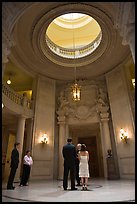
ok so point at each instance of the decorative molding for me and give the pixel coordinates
(95, 103)
(10, 13)
(125, 20)
(38, 36)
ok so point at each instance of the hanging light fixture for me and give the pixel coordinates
(76, 89)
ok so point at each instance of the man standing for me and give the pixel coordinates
(13, 165)
(69, 154)
(77, 165)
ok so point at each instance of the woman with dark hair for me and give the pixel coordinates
(83, 166)
(27, 163)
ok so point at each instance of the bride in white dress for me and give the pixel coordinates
(83, 166)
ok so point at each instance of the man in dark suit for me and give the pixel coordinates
(69, 154)
(13, 165)
(78, 148)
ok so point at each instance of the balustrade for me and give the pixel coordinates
(15, 97)
(78, 52)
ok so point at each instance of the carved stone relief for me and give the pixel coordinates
(94, 102)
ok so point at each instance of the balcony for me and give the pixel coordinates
(15, 102)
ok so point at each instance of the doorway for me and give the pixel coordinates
(10, 147)
(91, 146)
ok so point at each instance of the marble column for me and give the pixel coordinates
(20, 139)
(106, 142)
(29, 129)
(125, 22)
(62, 141)
(132, 42)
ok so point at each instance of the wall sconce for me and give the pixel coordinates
(123, 135)
(133, 82)
(44, 139)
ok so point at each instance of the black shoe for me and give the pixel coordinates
(11, 188)
(73, 189)
(65, 189)
(78, 184)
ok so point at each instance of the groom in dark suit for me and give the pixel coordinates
(13, 165)
(69, 154)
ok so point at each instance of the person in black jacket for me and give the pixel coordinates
(78, 148)
(69, 154)
(13, 165)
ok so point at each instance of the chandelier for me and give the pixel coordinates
(76, 89)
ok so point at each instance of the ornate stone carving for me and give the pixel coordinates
(102, 106)
(80, 112)
(125, 20)
(63, 105)
(10, 12)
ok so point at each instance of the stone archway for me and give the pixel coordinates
(93, 108)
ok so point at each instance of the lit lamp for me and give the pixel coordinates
(9, 79)
(2, 105)
(76, 92)
(133, 82)
(44, 139)
(76, 89)
(123, 135)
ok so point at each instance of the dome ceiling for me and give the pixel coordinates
(32, 53)
(70, 36)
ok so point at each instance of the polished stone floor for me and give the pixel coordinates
(99, 190)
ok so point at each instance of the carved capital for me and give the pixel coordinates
(61, 119)
(104, 117)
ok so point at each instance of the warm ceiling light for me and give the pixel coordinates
(9, 81)
(76, 89)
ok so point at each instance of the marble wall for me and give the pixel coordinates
(122, 117)
(44, 122)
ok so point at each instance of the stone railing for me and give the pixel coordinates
(77, 52)
(15, 97)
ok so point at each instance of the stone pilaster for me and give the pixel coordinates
(29, 129)
(105, 136)
(125, 23)
(20, 138)
(62, 141)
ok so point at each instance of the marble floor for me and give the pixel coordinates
(99, 190)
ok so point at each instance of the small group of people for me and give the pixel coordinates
(75, 162)
(27, 163)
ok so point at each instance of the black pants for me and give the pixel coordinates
(77, 172)
(11, 177)
(69, 168)
(25, 174)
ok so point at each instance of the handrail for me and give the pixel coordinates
(78, 52)
(15, 97)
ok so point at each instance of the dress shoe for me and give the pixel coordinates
(65, 189)
(73, 189)
(11, 188)
(78, 184)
